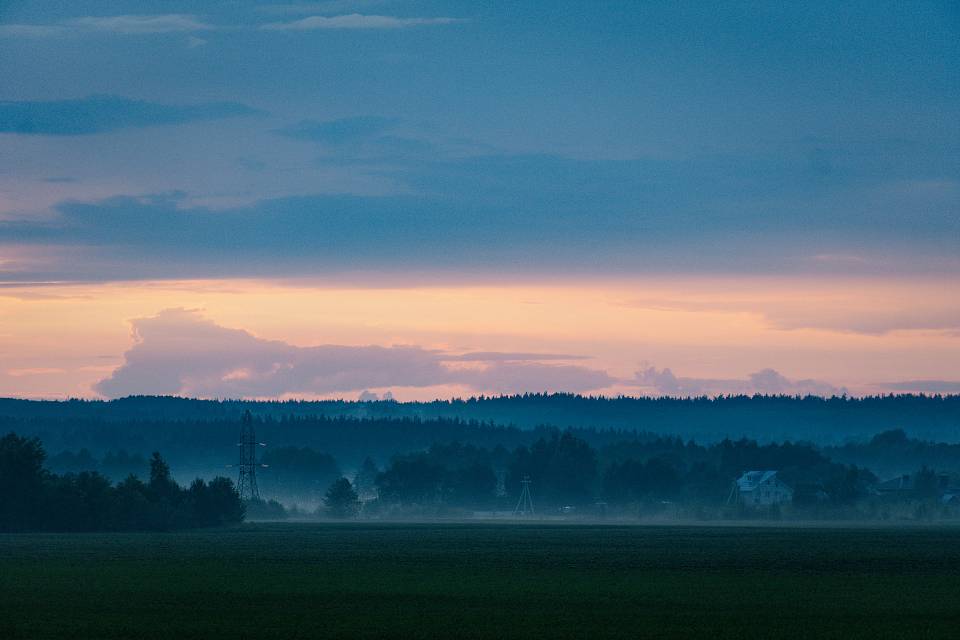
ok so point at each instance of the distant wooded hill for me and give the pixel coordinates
(766, 418)
(311, 443)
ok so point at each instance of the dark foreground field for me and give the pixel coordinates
(286, 581)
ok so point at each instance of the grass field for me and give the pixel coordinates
(493, 581)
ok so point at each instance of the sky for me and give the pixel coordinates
(438, 198)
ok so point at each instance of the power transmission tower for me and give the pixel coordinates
(525, 504)
(247, 483)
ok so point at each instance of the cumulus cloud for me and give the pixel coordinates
(100, 113)
(355, 21)
(369, 396)
(765, 381)
(179, 351)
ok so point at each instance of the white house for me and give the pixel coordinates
(760, 489)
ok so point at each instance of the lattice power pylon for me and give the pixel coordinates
(247, 483)
(525, 504)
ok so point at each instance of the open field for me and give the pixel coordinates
(483, 580)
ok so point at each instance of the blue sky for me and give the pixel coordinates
(581, 137)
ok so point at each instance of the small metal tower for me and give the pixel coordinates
(525, 504)
(247, 483)
(501, 490)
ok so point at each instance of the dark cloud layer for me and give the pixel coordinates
(522, 212)
(180, 352)
(343, 130)
(97, 114)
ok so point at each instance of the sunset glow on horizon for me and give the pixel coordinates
(859, 336)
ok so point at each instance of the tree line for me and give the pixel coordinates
(34, 499)
(628, 473)
(628, 477)
(565, 470)
(826, 421)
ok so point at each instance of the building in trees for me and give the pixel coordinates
(760, 489)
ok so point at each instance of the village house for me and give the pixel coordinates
(760, 489)
(906, 486)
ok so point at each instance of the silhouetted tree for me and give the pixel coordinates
(563, 468)
(471, 486)
(365, 479)
(265, 510)
(33, 499)
(341, 500)
(411, 480)
(635, 481)
(21, 483)
(926, 484)
(846, 485)
(132, 509)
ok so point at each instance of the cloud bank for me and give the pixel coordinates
(498, 212)
(355, 21)
(922, 386)
(132, 24)
(815, 310)
(765, 381)
(98, 114)
(179, 351)
(116, 24)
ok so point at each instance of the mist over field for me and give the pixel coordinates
(585, 457)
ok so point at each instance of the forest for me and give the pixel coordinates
(638, 477)
(92, 465)
(827, 421)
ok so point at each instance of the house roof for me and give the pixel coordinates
(900, 483)
(752, 479)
